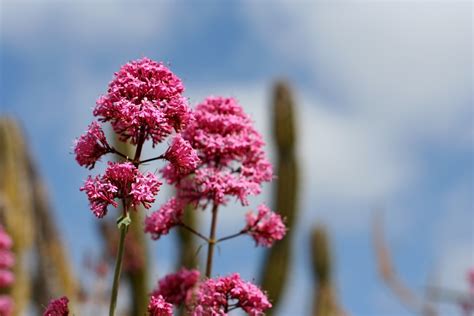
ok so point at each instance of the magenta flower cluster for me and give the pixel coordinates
(266, 227)
(120, 181)
(7, 260)
(214, 155)
(144, 101)
(232, 160)
(222, 295)
(57, 307)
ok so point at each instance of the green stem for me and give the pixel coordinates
(123, 223)
(211, 241)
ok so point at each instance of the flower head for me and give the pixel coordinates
(6, 278)
(266, 227)
(175, 287)
(144, 101)
(7, 259)
(5, 239)
(121, 180)
(159, 307)
(232, 160)
(214, 297)
(182, 156)
(161, 221)
(6, 305)
(91, 146)
(57, 307)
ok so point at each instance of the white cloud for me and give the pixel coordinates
(406, 66)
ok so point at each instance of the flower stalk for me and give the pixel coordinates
(211, 241)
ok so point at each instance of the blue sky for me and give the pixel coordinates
(384, 93)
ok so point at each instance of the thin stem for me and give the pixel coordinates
(115, 151)
(195, 232)
(152, 159)
(211, 241)
(118, 269)
(123, 223)
(242, 232)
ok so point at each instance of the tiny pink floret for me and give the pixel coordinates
(159, 307)
(266, 227)
(57, 307)
(161, 221)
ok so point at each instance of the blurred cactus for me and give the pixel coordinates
(17, 206)
(277, 261)
(27, 216)
(325, 301)
(187, 244)
(54, 275)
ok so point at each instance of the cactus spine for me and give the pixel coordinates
(277, 262)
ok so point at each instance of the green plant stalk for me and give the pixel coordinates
(187, 242)
(123, 224)
(212, 241)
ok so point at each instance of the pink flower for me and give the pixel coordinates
(5, 239)
(159, 307)
(266, 227)
(232, 160)
(6, 305)
(144, 101)
(91, 146)
(57, 307)
(6, 278)
(121, 180)
(217, 296)
(182, 156)
(175, 287)
(160, 222)
(7, 259)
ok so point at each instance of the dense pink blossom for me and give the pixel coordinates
(175, 288)
(57, 307)
(217, 296)
(6, 278)
(232, 160)
(266, 227)
(7, 259)
(182, 156)
(121, 180)
(159, 307)
(6, 305)
(161, 221)
(5, 239)
(91, 146)
(144, 101)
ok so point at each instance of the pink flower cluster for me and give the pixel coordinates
(7, 260)
(121, 180)
(57, 307)
(266, 227)
(161, 221)
(232, 160)
(182, 156)
(176, 288)
(159, 307)
(144, 101)
(221, 295)
(91, 146)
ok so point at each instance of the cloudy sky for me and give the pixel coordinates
(384, 94)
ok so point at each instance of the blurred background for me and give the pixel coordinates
(382, 101)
